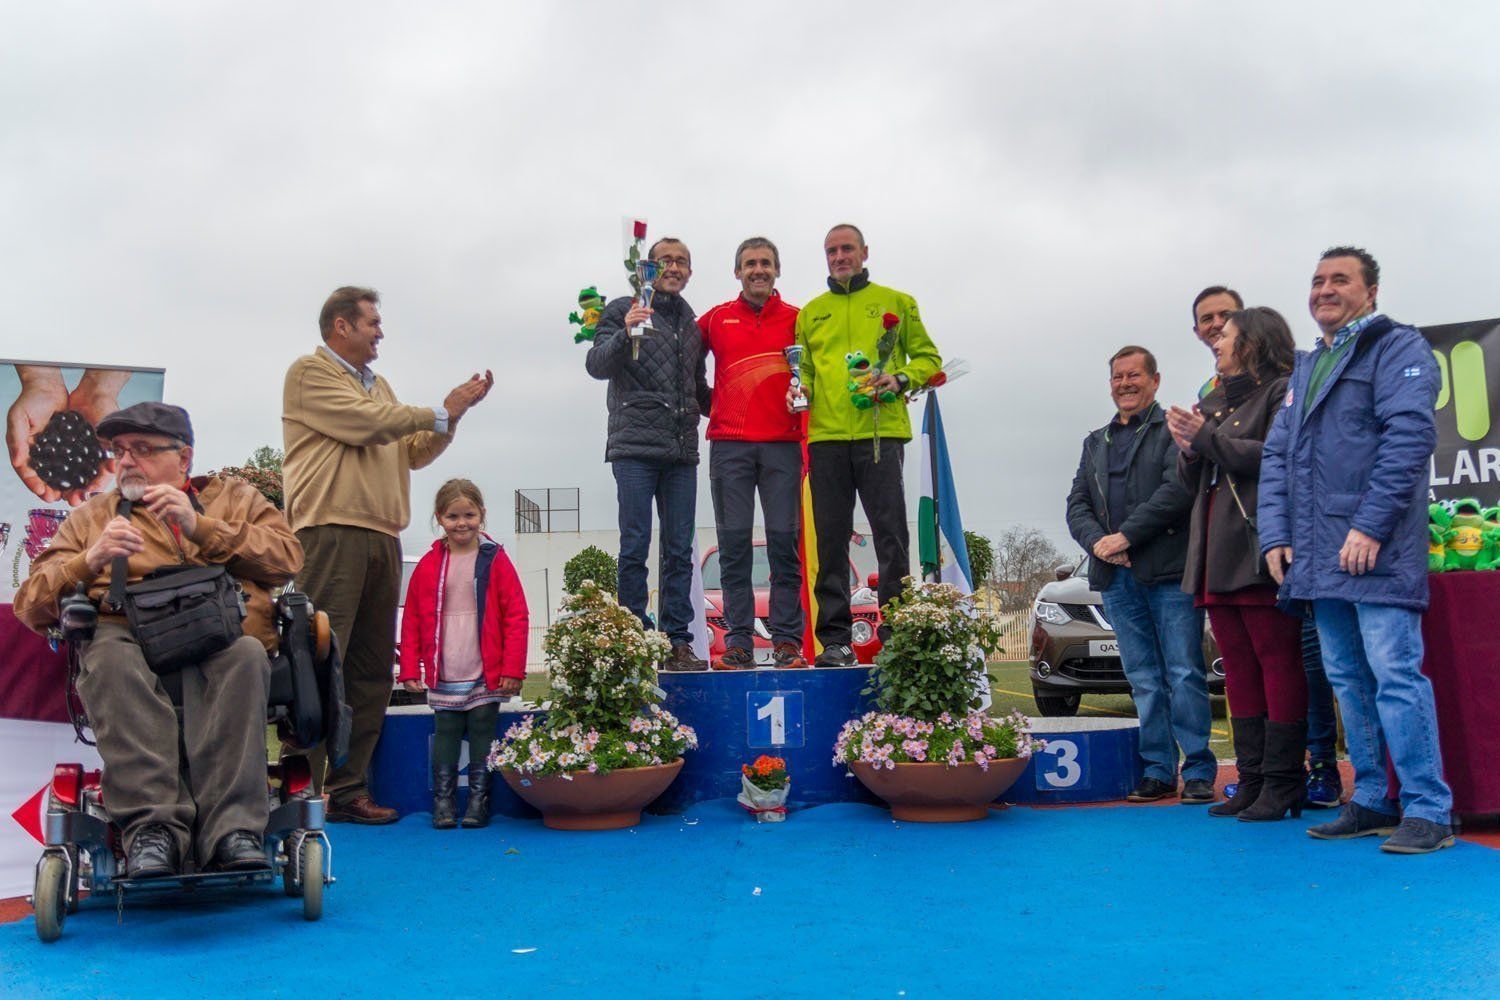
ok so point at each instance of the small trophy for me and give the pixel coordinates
(794, 362)
(646, 272)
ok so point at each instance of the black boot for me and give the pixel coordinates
(478, 813)
(444, 788)
(1284, 779)
(1249, 748)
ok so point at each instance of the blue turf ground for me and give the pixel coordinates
(1045, 903)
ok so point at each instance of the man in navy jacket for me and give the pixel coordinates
(1343, 513)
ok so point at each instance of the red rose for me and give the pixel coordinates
(889, 320)
(937, 380)
(640, 229)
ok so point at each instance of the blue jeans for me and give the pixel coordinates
(1161, 649)
(1373, 655)
(1322, 726)
(674, 488)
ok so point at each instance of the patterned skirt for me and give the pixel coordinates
(461, 696)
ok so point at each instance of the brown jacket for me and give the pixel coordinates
(1227, 449)
(349, 453)
(238, 528)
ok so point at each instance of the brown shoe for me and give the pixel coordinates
(735, 658)
(361, 809)
(788, 656)
(682, 659)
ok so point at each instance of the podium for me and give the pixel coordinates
(741, 714)
(1086, 760)
(793, 714)
(400, 773)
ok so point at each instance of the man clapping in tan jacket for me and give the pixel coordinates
(350, 449)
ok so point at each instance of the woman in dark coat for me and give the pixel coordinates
(1221, 442)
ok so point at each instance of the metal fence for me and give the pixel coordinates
(546, 510)
(535, 661)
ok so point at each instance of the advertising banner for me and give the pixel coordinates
(53, 464)
(53, 461)
(1466, 462)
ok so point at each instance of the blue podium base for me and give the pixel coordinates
(792, 714)
(401, 768)
(741, 714)
(1086, 760)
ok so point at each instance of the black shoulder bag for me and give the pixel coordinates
(180, 615)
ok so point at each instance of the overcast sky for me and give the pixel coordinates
(182, 184)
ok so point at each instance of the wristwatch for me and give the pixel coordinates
(902, 382)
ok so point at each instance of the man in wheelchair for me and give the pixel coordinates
(205, 787)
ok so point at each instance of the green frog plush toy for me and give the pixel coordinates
(1463, 540)
(860, 370)
(1435, 550)
(1489, 554)
(592, 304)
(861, 374)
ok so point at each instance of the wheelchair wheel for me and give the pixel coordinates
(322, 635)
(50, 897)
(312, 878)
(288, 882)
(72, 890)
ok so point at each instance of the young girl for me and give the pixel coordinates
(464, 635)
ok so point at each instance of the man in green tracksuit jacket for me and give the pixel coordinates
(844, 440)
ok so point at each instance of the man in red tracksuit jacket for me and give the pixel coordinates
(754, 443)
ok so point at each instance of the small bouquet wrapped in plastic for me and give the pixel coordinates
(763, 788)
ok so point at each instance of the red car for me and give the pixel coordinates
(864, 607)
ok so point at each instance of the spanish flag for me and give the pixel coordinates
(809, 543)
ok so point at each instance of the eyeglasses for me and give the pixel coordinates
(140, 451)
(673, 261)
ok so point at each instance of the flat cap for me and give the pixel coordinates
(148, 418)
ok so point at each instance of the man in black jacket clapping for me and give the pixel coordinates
(1129, 511)
(655, 401)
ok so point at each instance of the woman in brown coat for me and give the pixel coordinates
(1221, 441)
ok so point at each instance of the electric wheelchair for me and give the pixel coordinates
(84, 849)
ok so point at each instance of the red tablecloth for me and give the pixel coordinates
(1461, 632)
(33, 679)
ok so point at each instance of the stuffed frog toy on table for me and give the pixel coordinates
(1489, 553)
(1463, 539)
(1435, 550)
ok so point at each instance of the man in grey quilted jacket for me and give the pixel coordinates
(655, 401)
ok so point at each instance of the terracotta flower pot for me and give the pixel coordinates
(937, 793)
(610, 801)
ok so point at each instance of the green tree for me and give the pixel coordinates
(263, 471)
(981, 556)
(593, 563)
(266, 458)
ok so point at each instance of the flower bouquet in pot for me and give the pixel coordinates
(929, 751)
(763, 788)
(607, 749)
